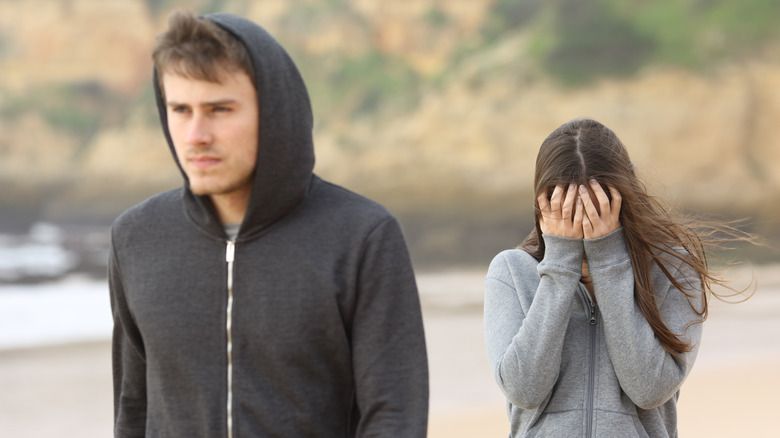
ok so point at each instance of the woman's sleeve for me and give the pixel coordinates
(527, 310)
(647, 373)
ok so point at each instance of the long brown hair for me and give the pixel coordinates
(585, 149)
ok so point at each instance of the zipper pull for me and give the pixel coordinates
(593, 315)
(230, 252)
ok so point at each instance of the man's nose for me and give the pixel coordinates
(199, 131)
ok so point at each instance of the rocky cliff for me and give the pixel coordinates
(79, 135)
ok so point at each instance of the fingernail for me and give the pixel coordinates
(593, 181)
(583, 190)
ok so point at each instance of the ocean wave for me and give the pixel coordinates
(74, 309)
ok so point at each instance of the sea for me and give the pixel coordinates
(54, 290)
(53, 287)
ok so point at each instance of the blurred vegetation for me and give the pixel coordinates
(572, 41)
(159, 7)
(77, 109)
(509, 15)
(436, 17)
(578, 42)
(590, 40)
(378, 75)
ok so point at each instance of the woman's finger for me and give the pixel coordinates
(555, 201)
(587, 226)
(617, 202)
(590, 208)
(543, 202)
(579, 213)
(567, 209)
(544, 211)
(601, 196)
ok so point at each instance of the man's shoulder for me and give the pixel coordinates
(340, 200)
(159, 207)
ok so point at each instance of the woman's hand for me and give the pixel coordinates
(562, 214)
(598, 222)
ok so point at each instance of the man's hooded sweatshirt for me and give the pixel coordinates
(309, 325)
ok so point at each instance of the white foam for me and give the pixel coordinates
(38, 254)
(75, 309)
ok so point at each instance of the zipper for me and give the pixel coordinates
(592, 371)
(230, 255)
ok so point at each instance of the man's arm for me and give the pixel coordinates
(388, 341)
(128, 359)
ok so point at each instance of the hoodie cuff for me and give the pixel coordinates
(563, 252)
(607, 250)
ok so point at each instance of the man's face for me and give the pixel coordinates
(215, 129)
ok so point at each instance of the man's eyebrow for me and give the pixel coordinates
(226, 101)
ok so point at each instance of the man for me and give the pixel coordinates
(257, 300)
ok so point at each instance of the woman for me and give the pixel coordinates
(593, 324)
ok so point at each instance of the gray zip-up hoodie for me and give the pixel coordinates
(309, 325)
(570, 367)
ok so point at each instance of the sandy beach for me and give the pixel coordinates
(65, 391)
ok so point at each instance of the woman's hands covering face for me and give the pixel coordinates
(561, 215)
(576, 213)
(597, 222)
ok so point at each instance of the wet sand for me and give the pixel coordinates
(65, 391)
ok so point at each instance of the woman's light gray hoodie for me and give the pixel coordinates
(571, 367)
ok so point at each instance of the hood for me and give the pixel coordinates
(285, 152)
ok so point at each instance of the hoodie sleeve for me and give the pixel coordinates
(128, 360)
(388, 342)
(527, 311)
(648, 374)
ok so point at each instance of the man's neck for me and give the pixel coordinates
(230, 208)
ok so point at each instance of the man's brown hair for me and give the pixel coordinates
(195, 47)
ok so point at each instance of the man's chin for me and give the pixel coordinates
(210, 190)
(216, 188)
(200, 190)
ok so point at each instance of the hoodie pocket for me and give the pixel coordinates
(617, 425)
(564, 424)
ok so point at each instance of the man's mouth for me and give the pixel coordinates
(203, 161)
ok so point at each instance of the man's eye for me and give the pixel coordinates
(179, 109)
(221, 109)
